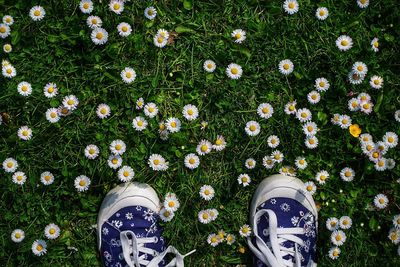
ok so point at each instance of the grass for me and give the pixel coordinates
(58, 49)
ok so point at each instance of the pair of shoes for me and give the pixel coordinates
(283, 215)
(128, 230)
(284, 220)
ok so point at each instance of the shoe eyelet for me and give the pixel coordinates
(155, 239)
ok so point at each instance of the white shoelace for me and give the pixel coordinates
(132, 245)
(273, 252)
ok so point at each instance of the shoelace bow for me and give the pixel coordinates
(132, 245)
(272, 254)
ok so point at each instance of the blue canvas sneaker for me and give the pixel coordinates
(284, 221)
(128, 231)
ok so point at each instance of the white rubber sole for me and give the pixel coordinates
(125, 195)
(279, 185)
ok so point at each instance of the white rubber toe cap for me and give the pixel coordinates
(125, 195)
(279, 185)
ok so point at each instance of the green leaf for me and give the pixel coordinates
(183, 29)
(188, 4)
(373, 223)
(15, 37)
(378, 103)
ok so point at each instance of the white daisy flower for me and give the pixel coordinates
(347, 174)
(39, 247)
(345, 222)
(344, 43)
(390, 164)
(244, 179)
(86, 6)
(391, 139)
(37, 13)
(366, 107)
(114, 161)
(17, 235)
(334, 253)
(163, 33)
(332, 224)
(353, 104)
(362, 3)
(230, 239)
(219, 144)
(265, 110)
(310, 187)
(64, 111)
(322, 84)
(160, 41)
(311, 142)
(213, 240)
(310, 128)
(344, 121)
(250, 163)
(207, 192)
(277, 156)
(396, 221)
(173, 125)
(139, 123)
(158, 163)
(118, 147)
(52, 231)
(52, 115)
(301, 163)
(245, 230)
(190, 112)
(376, 82)
(116, 6)
(82, 183)
(10, 165)
(171, 202)
(382, 146)
(381, 165)
(124, 29)
(381, 201)
(70, 102)
(321, 177)
(268, 162)
(8, 20)
(360, 68)
(394, 236)
(165, 215)
(397, 115)
(313, 97)
(94, 22)
(50, 90)
(25, 133)
(303, 115)
(252, 128)
(273, 141)
(322, 13)
(125, 174)
(128, 75)
(99, 36)
(139, 103)
(338, 237)
(5, 30)
(234, 71)
(204, 147)
(286, 66)
(150, 110)
(365, 137)
(192, 161)
(150, 12)
(291, 6)
(355, 78)
(19, 178)
(239, 35)
(24, 88)
(7, 48)
(103, 111)
(209, 65)
(375, 44)
(213, 214)
(287, 170)
(204, 216)
(8, 71)
(290, 108)
(92, 151)
(47, 178)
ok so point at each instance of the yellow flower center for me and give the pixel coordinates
(277, 156)
(36, 13)
(381, 201)
(114, 161)
(347, 174)
(335, 253)
(25, 133)
(129, 75)
(321, 13)
(94, 21)
(126, 173)
(19, 177)
(53, 115)
(124, 28)
(273, 141)
(86, 5)
(323, 177)
(17, 235)
(238, 35)
(10, 164)
(140, 123)
(344, 42)
(99, 35)
(91, 151)
(322, 84)
(311, 141)
(286, 66)
(151, 109)
(381, 163)
(190, 112)
(206, 192)
(244, 179)
(118, 147)
(218, 142)
(354, 104)
(250, 163)
(156, 161)
(173, 124)
(7, 47)
(338, 237)
(9, 71)
(369, 147)
(310, 128)
(291, 5)
(204, 216)
(103, 111)
(265, 110)
(82, 183)
(2, 29)
(303, 115)
(393, 236)
(214, 239)
(344, 121)
(309, 187)
(52, 231)
(64, 111)
(375, 155)
(269, 161)
(116, 6)
(209, 65)
(192, 161)
(160, 39)
(70, 102)
(360, 68)
(229, 238)
(234, 71)
(8, 19)
(47, 178)
(252, 128)
(345, 222)
(24, 88)
(376, 44)
(150, 12)
(390, 139)
(166, 214)
(50, 90)
(333, 224)
(302, 161)
(314, 97)
(39, 247)
(291, 107)
(162, 126)
(204, 148)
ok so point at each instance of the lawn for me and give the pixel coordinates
(58, 49)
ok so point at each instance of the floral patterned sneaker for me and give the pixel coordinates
(284, 218)
(128, 230)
